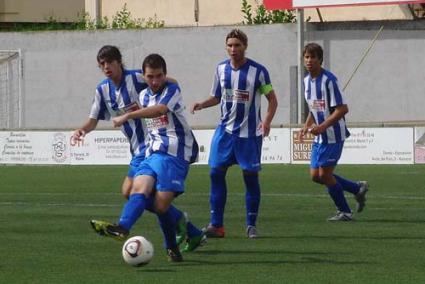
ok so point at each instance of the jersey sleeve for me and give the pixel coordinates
(265, 83)
(172, 98)
(335, 94)
(216, 86)
(98, 109)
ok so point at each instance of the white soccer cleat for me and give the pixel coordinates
(361, 196)
(341, 216)
(251, 232)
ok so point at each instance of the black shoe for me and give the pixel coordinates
(117, 232)
(174, 255)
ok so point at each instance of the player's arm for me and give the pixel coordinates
(271, 110)
(88, 126)
(338, 113)
(147, 112)
(211, 101)
(307, 125)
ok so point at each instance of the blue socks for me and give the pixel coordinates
(132, 210)
(167, 221)
(218, 196)
(337, 195)
(252, 197)
(348, 185)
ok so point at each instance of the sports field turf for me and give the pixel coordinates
(46, 238)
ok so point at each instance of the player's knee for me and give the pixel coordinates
(217, 173)
(316, 179)
(161, 208)
(249, 173)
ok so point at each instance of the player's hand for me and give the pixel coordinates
(302, 132)
(265, 129)
(317, 129)
(78, 135)
(119, 120)
(195, 107)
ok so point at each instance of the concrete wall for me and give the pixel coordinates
(60, 70)
(40, 10)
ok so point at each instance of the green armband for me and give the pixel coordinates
(265, 89)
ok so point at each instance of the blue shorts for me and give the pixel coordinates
(325, 155)
(170, 172)
(134, 164)
(228, 149)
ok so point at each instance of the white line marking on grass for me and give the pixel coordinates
(60, 204)
(302, 195)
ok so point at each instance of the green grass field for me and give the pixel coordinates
(46, 238)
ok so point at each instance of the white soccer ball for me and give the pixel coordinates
(137, 251)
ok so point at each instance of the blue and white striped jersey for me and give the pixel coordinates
(323, 95)
(111, 101)
(240, 94)
(169, 133)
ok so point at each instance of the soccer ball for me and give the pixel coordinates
(137, 251)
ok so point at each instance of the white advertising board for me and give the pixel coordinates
(101, 148)
(277, 147)
(365, 146)
(33, 147)
(379, 146)
(204, 142)
(323, 3)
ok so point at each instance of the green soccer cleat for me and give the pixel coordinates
(181, 229)
(194, 242)
(108, 229)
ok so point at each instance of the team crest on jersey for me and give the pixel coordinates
(318, 105)
(157, 122)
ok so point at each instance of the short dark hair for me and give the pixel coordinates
(315, 49)
(240, 35)
(109, 53)
(154, 61)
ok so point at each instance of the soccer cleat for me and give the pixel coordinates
(107, 229)
(213, 232)
(174, 255)
(181, 228)
(194, 242)
(251, 232)
(341, 216)
(361, 196)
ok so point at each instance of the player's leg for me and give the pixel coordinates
(142, 188)
(248, 156)
(252, 202)
(126, 186)
(132, 210)
(221, 157)
(358, 189)
(167, 222)
(324, 158)
(171, 173)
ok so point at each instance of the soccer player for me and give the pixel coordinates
(238, 86)
(171, 147)
(326, 120)
(116, 94)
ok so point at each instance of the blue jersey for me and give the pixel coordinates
(169, 133)
(323, 95)
(111, 101)
(240, 94)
